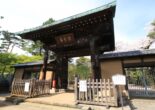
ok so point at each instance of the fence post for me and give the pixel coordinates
(90, 95)
(76, 89)
(31, 87)
(101, 88)
(115, 90)
(12, 87)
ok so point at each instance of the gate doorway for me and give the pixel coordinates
(80, 67)
(141, 82)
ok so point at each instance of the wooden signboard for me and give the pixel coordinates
(27, 86)
(119, 79)
(83, 86)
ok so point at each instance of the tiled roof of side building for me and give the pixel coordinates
(109, 55)
(31, 63)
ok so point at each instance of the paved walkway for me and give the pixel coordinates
(64, 99)
(32, 106)
(142, 104)
(36, 106)
(67, 100)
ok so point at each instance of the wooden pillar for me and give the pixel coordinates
(94, 59)
(45, 63)
(61, 75)
(57, 72)
(64, 75)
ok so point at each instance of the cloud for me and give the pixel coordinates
(24, 14)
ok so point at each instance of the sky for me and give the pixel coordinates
(131, 21)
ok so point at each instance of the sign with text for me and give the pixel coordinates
(83, 86)
(27, 85)
(119, 79)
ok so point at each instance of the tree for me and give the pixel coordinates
(35, 47)
(49, 21)
(83, 68)
(80, 67)
(151, 36)
(9, 59)
(6, 60)
(152, 31)
(9, 41)
(71, 71)
(24, 58)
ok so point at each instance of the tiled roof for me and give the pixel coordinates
(31, 63)
(134, 53)
(104, 7)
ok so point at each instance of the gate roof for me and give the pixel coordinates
(71, 36)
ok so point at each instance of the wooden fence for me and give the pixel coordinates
(98, 92)
(34, 87)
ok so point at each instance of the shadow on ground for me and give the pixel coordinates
(131, 105)
(5, 103)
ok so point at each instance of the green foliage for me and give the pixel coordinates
(135, 75)
(71, 71)
(1, 17)
(6, 60)
(151, 35)
(9, 59)
(34, 48)
(8, 41)
(49, 21)
(81, 68)
(141, 76)
(24, 58)
(152, 32)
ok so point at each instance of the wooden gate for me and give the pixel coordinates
(141, 82)
(98, 92)
(35, 88)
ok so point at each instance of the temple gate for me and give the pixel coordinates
(89, 33)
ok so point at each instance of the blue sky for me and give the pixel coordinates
(131, 20)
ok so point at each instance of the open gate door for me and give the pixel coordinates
(141, 82)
